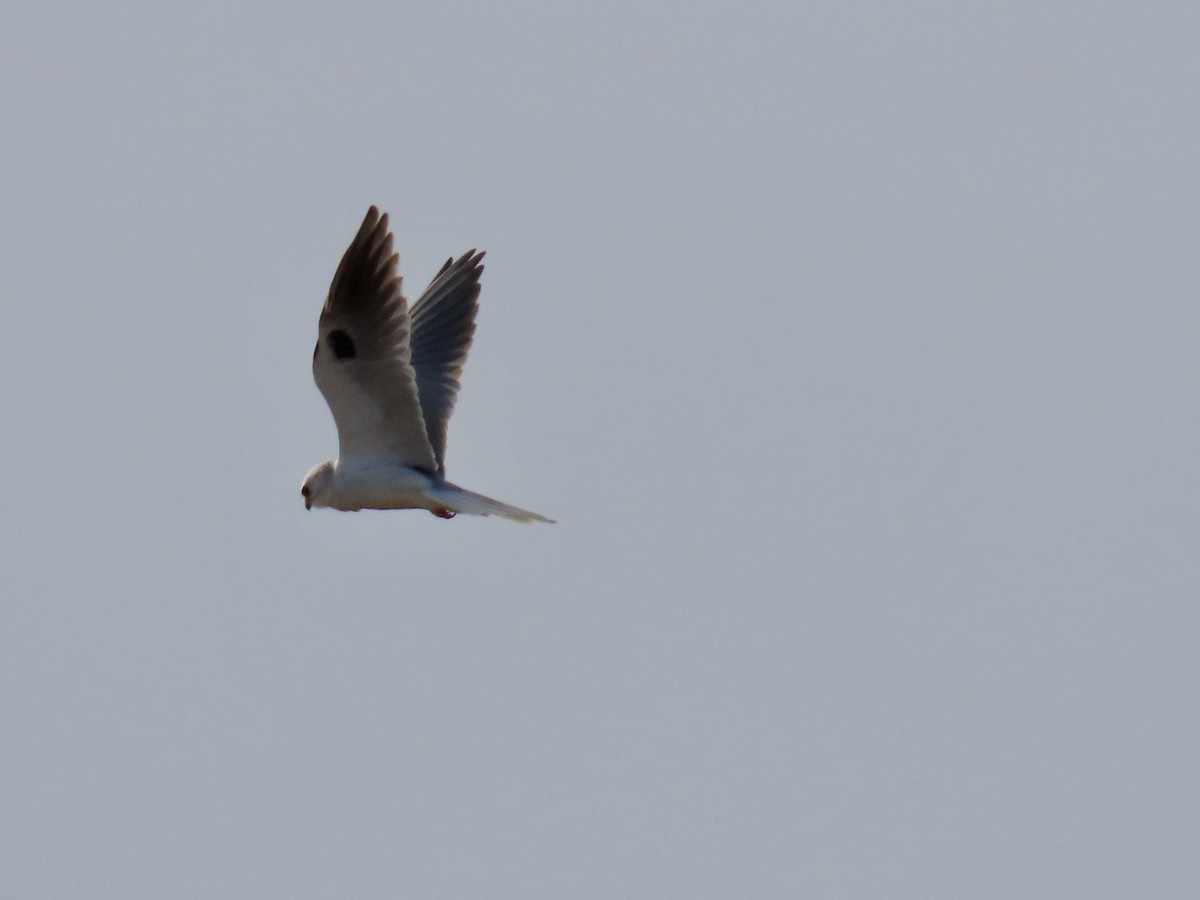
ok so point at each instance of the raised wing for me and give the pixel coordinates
(362, 359)
(443, 323)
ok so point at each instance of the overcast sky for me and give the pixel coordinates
(853, 346)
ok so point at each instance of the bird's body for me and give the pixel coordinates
(364, 483)
(390, 379)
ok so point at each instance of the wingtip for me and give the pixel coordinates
(374, 220)
(374, 226)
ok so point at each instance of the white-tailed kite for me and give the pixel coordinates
(390, 377)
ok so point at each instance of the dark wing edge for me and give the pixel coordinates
(443, 326)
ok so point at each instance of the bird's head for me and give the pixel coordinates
(317, 484)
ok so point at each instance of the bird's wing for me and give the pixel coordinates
(362, 359)
(443, 323)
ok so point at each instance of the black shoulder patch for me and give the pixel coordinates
(342, 345)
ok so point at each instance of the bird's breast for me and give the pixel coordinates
(380, 484)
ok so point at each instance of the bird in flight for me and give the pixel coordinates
(390, 377)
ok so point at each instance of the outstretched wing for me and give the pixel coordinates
(362, 359)
(443, 323)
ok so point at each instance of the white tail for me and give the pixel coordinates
(460, 500)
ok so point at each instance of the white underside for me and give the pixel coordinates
(371, 484)
(383, 484)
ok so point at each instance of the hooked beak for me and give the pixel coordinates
(307, 503)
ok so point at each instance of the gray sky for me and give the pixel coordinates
(852, 346)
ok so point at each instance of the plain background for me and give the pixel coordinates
(853, 345)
